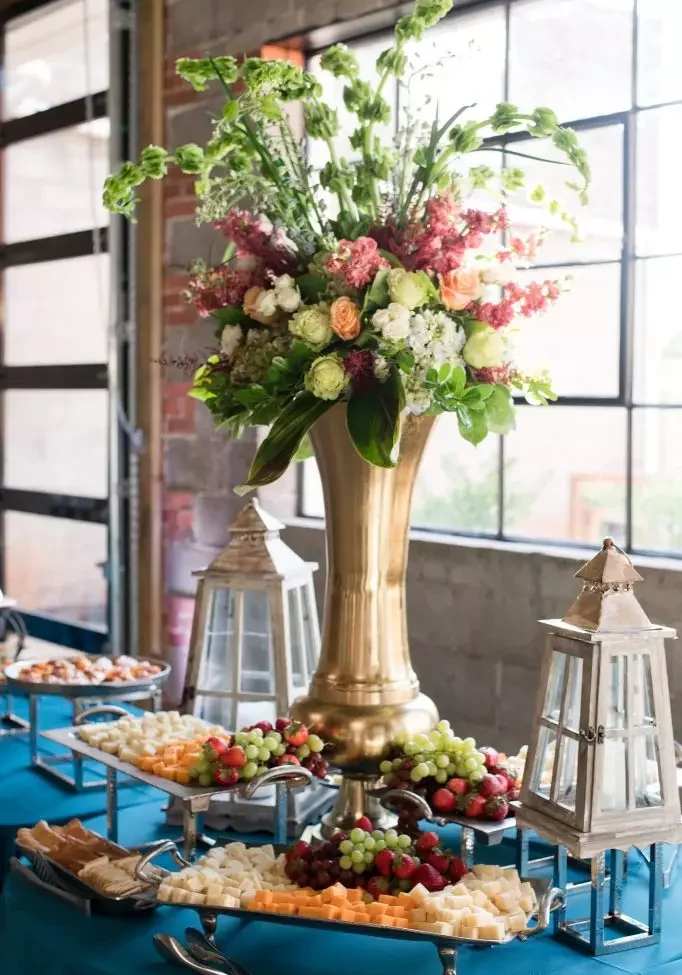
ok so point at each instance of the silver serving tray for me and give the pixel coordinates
(110, 689)
(549, 899)
(491, 831)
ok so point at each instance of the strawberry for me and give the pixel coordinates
(497, 808)
(443, 800)
(299, 851)
(474, 805)
(364, 822)
(491, 785)
(264, 726)
(457, 868)
(438, 860)
(376, 886)
(225, 776)
(287, 760)
(234, 757)
(513, 794)
(427, 842)
(281, 724)
(491, 757)
(458, 787)
(383, 862)
(428, 877)
(215, 746)
(296, 734)
(403, 866)
(503, 773)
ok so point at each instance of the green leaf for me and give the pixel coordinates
(231, 111)
(305, 450)
(373, 420)
(277, 450)
(477, 394)
(312, 286)
(457, 382)
(472, 426)
(251, 396)
(378, 293)
(201, 393)
(391, 258)
(444, 372)
(499, 409)
(405, 360)
(431, 289)
(229, 316)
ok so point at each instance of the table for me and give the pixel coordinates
(26, 795)
(38, 933)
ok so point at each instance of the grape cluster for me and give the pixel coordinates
(253, 750)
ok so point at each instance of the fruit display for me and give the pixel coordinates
(132, 736)
(83, 669)
(228, 759)
(452, 774)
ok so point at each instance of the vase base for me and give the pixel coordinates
(354, 800)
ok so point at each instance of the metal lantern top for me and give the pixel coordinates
(601, 770)
(256, 555)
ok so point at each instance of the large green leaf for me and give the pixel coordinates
(377, 296)
(229, 316)
(312, 286)
(499, 409)
(279, 447)
(373, 420)
(473, 425)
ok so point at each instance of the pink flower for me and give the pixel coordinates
(494, 374)
(254, 238)
(359, 365)
(356, 262)
(221, 287)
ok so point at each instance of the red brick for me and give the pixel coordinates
(178, 616)
(175, 284)
(182, 206)
(176, 500)
(180, 315)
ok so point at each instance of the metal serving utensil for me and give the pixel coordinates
(204, 948)
(171, 949)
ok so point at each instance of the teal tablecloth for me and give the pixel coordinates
(40, 934)
(27, 795)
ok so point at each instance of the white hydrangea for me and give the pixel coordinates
(393, 322)
(287, 295)
(434, 339)
(381, 368)
(267, 303)
(230, 338)
(417, 397)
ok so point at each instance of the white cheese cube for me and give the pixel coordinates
(491, 932)
(526, 904)
(193, 897)
(516, 922)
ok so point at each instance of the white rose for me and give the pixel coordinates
(288, 299)
(267, 304)
(230, 338)
(393, 322)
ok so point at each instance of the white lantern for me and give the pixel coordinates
(255, 635)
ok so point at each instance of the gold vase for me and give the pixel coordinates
(364, 690)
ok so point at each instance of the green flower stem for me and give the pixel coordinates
(367, 144)
(345, 199)
(298, 167)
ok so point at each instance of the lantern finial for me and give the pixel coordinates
(607, 602)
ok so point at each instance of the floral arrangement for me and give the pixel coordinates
(371, 282)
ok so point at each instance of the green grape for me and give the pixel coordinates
(436, 738)
(405, 884)
(441, 776)
(378, 835)
(241, 738)
(252, 752)
(442, 761)
(469, 744)
(264, 754)
(421, 739)
(480, 757)
(397, 763)
(370, 843)
(205, 779)
(249, 770)
(471, 763)
(380, 845)
(270, 742)
(410, 748)
(457, 742)
(386, 767)
(415, 774)
(419, 758)
(315, 743)
(391, 838)
(369, 857)
(345, 863)
(261, 769)
(428, 746)
(201, 766)
(302, 751)
(423, 769)
(255, 737)
(279, 750)
(462, 770)
(357, 835)
(400, 739)
(358, 856)
(444, 727)
(359, 867)
(404, 841)
(346, 846)
(432, 767)
(417, 861)
(477, 775)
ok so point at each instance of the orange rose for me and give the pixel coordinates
(259, 304)
(345, 318)
(459, 288)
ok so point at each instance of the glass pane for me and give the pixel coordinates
(557, 56)
(56, 440)
(600, 223)
(257, 670)
(54, 55)
(647, 771)
(555, 686)
(458, 63)
(574, 694)
(216, 672)
(568, 773)
(657, 480)
(586, 316)
(53, 183)
(366, 51)
(643, 714)
(312, 629)
(457, 487)
(616, 716)
(219, 710)
(541, 782)
(657, 374)
(614, 784)
(659, 29)
(53, 566)
(570, 462)
(297, 627)
(57, 311)
(659, 208)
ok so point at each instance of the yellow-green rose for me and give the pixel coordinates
(312, 324)
(407, 288)
(326, 377)
(485, 347)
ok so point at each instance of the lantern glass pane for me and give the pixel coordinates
(233, 714)
(647, 771)
(614, 794)
(544, 762)
(555, 684)
(312, 633)
(573, 693)
(616, 718)
(217, 710)
(642, 691)
(297, 626)
(568, 771)
(257, 668)
(217, 661)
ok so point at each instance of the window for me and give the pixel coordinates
(605, 459)
(58, 377)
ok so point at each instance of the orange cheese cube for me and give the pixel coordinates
(339, 900)
(354, 895)
(146, 762)
(388, 922)
(346, 915)
(158, 767)
(188, 759)
(362, 917)
(387, 899)
(315, 912)
(397, 911)
(376, 909)
(331, 913)
(182, 775)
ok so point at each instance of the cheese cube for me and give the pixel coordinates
(418, 914)
(213, 892)
(195, 884)
(511, 875)
(192, 897)
(419, 894)
(516, 922)
(433, 927)
(491, 932)
(526, 904)
(226, 901)
(457, 903)
(479, 898)
(165, 892)
(526, 890)
(491, 887)
(459, 890)
(506, 902)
